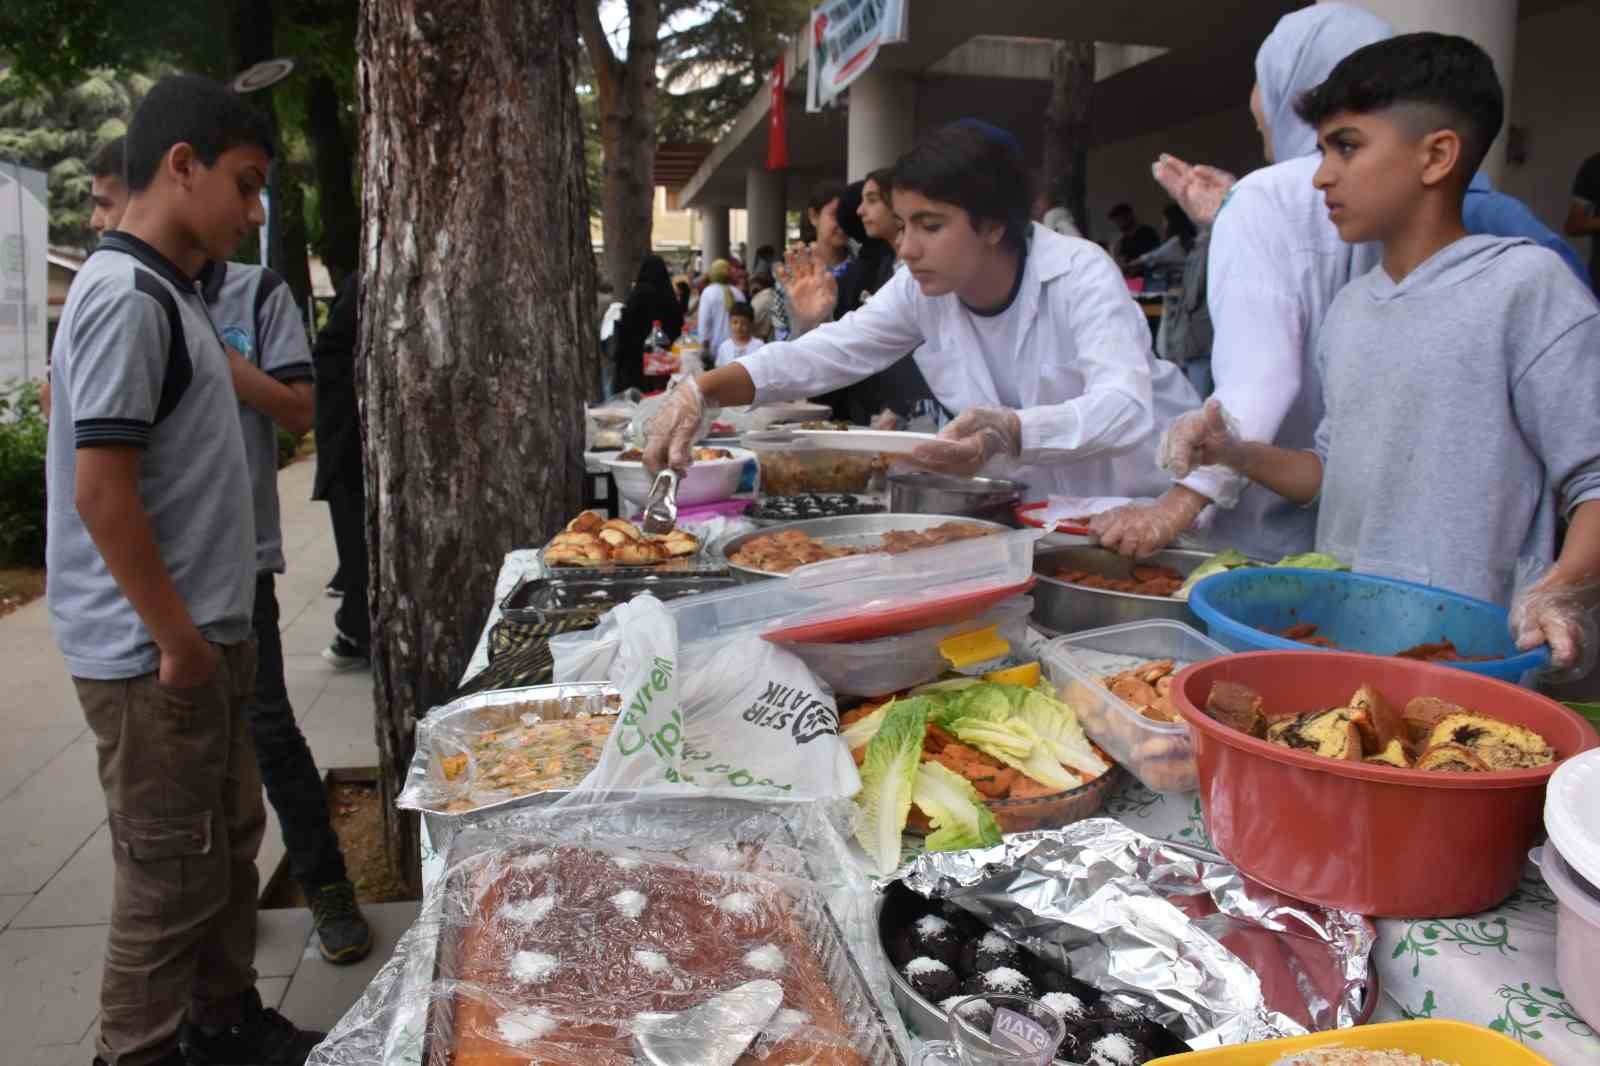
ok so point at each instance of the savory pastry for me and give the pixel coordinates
(587, 522)
(1237, 706)
(1499, 745)
(638, 553)
(591, 539)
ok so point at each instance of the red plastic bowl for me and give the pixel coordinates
(1377, 840)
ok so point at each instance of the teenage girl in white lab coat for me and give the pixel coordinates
(1029, 336)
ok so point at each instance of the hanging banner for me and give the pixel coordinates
(777, 128)
(24, 271)
(845, 38)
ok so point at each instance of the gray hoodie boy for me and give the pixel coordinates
(1460, 416)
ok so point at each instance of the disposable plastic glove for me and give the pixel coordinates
(1550, 611)
(885, 419)
(1139, 530)
(1199, 190)
(974, 438)
(683, 418)
(1207, 437)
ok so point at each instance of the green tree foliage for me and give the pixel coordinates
(715, 54)
(57, 129)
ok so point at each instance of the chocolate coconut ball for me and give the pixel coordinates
(1047, 977)
(977, 1013)
(1001, 981)
(934, 937)
(1078, 1044)
(931, 978)
(1072, 1010)
(990, 951)
(1118, 1049)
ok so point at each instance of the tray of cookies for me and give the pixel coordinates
(594, 542)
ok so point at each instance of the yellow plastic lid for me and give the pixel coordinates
(1458, 1043)
(979, 646)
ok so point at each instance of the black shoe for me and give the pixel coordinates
(342, 933)
(263, 1037)
(333, 591)
(345, 655)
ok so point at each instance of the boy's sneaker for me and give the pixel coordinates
(343, 654)
(263, 1037)
(342, 933)
(333, 591)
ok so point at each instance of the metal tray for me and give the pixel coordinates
(560, 595)
(855, 530)
(870, 1032)
(481, 712)
(1062, 607)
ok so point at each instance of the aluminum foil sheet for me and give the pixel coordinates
(1181, 933)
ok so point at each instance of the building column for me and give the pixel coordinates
(765, 220)
(714, 243)
(1491, 24)
(882, 121)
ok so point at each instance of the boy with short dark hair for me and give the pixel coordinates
(1456, 373)
(152, 561)
(741, 341)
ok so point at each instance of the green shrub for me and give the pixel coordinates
(288, 447)
(22, 443)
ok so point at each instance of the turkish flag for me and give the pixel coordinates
(777, 131)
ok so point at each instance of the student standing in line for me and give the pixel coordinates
(259, 325)
(1450, 331)
(152, 563)
(741, 340)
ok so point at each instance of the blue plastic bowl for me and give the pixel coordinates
(1244, 609)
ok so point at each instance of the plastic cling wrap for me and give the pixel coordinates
(568, 935)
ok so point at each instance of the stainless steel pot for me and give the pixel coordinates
(1065, 608)
(922, 492)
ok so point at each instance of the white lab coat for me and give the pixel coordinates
(1089, 392)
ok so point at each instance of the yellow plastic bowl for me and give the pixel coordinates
(1457, 1043)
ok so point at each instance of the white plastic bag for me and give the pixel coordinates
(729, 715)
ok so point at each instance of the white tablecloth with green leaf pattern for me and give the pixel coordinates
(1496, 969)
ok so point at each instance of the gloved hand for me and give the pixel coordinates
(1553, 611)
(886, 420)
(1199, 190)
(683, 418)
(971, 440)
(1139, 530)
(1207, 437)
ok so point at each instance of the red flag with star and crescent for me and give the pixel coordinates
(777, 130)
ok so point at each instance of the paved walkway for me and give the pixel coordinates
(55, 854)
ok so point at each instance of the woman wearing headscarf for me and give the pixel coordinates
(652, 299)
(716, 300)
(1276, 263)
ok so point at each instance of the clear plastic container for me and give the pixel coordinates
(879, 667)
(1160, 754)
(790, 468)
(1571, 867)
(910, 591)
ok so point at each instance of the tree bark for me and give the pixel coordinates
(627, 91)
(334, 161)
(1066, 128)
(477, 329)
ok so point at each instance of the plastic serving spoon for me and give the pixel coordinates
(715, 1033)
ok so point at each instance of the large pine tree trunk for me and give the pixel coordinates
(627, 93)
(1066, 128)
(477, 333)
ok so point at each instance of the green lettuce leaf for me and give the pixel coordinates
(888, 772)
(1226, 560)
(954, 809)
(1058, 727)
(985, 734)
(860, 732)
(1311, 561)
(1015, 743)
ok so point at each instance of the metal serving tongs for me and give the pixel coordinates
(661, 509)
(715, 1033)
